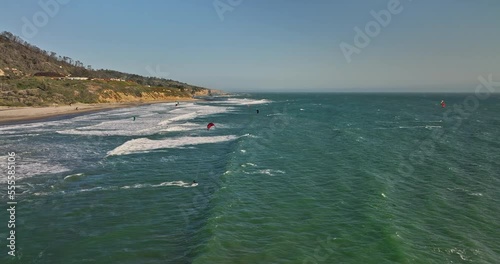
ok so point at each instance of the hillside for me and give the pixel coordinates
(30, 76)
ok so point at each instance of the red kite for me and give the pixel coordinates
(210, 125)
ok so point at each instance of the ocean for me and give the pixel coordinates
(311, 178)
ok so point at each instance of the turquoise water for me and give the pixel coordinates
(312, 178)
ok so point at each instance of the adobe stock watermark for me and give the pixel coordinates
(371, 30)
(454, 116)
(223, 6)
(157, 72)
(50, 8)
(11, 204)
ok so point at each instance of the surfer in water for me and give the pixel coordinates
(134, 118)
(443, 104)
(257, 111)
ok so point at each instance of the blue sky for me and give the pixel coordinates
(273, 45)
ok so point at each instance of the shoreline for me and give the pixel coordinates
(22, 115)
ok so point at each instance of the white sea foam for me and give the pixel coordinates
(123, 127)
(24, 127)
(201, 109)
(462, 190)
(39, 127)
(180, 127)
(142, 185)
(149, 122)
(430, 121)
(33, 167)
(248, 165)
(244, 101)
(126, 187)
(73, 176)
(269, 172)
(406, 127)
(186, 116)
(176, 183)
(145, 144)
(26, 168)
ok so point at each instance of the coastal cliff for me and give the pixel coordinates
(30, 76)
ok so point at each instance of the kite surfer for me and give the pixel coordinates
(210, 125)
(443, 104)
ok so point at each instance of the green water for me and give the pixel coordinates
(312, 178)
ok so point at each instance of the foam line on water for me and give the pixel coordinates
(148, 123)
(181, 127)
(73, 176)
(126, 187)
(245, 101)
(176, 183)
(26, 168)
(186, 116)
(269, 172)
(145, 144)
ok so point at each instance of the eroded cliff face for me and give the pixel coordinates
(208, 92)
(44, 91)
(110, 96)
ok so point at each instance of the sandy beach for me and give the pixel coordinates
(20, 114)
